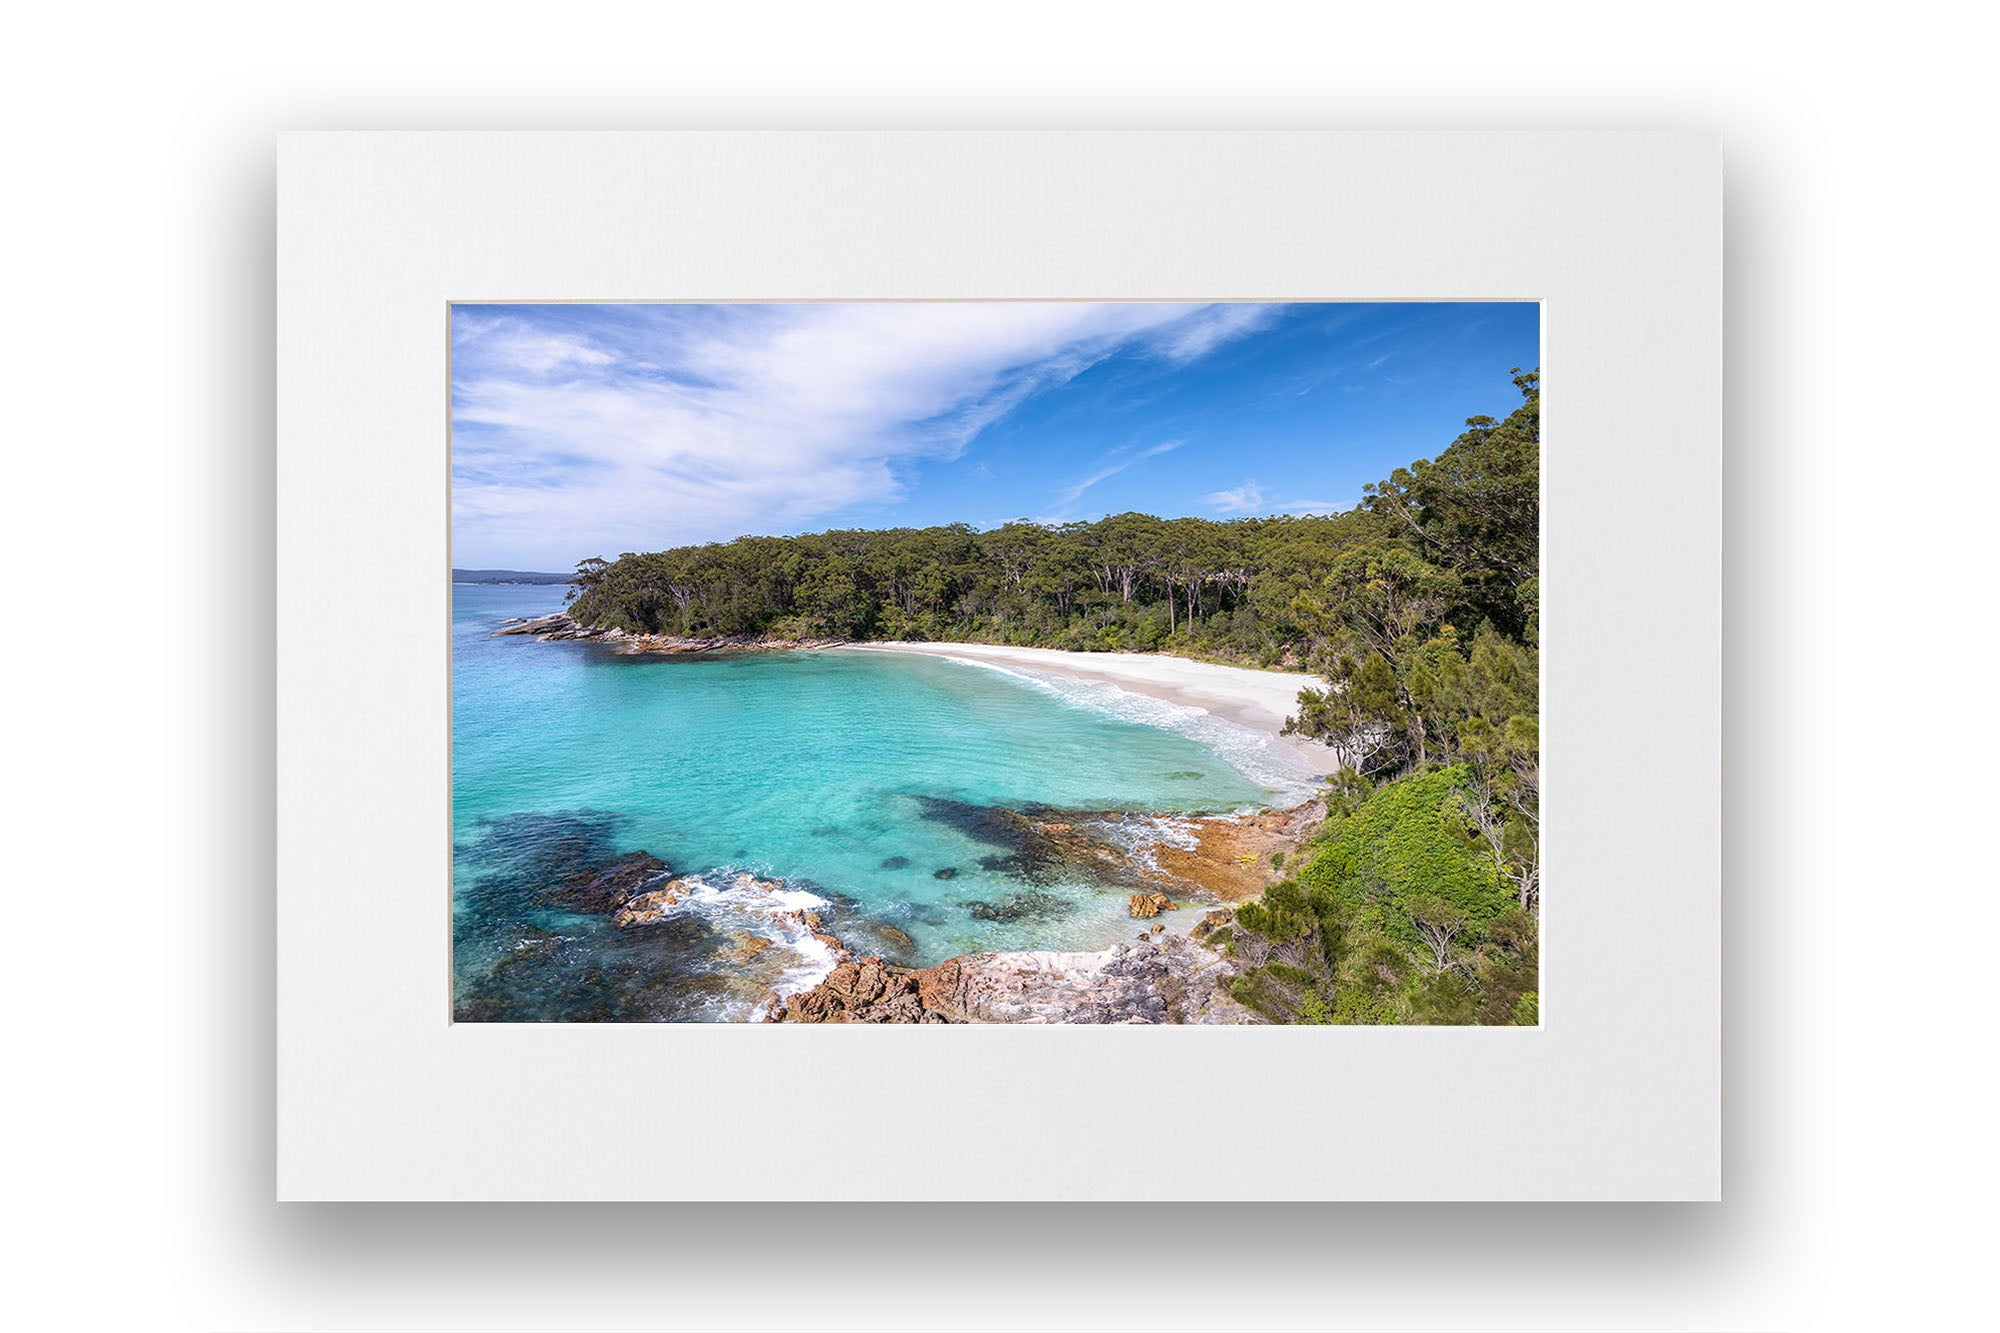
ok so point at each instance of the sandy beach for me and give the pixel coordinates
(1259, 700)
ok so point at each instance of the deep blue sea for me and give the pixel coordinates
(857, 778)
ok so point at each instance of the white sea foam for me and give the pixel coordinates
(740, 902)
(1138, 835)
(1264, 760)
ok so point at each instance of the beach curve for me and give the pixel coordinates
(1248, 697)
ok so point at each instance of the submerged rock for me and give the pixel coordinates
(1034, 845)
(607, 886)
(1022, 907)
(949, 872)
(745, 946)
(895, 862)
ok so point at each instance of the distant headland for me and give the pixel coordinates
(506, 576)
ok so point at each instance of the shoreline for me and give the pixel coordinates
(1172, 972)
(1183, 875)
(1249, 697)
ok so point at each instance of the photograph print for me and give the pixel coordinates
(995, 662)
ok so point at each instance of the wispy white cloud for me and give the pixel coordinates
(1245, 499)
(1251, 498)
(592, 430)
(1204, 332)
(1114, 463)
(510, 343)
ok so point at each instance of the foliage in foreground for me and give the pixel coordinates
(1401, 913)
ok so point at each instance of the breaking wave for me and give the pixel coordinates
(738, 904)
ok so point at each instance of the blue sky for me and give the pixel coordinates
(582, 430)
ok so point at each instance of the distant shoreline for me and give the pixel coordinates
(1247, 696)
(525, 578)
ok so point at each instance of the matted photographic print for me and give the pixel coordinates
(949, 662)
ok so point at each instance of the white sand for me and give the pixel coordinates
(1259, 700)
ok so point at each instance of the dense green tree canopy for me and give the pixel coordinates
(1414, 571)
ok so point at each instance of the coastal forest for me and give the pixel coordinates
(1417, 900)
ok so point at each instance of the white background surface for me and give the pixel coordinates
(139, 344)
(1614, 1097)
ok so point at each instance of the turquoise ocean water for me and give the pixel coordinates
(854, 777)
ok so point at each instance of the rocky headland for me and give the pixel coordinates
(1222, 857)
(562, 627)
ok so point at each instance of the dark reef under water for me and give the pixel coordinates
(535, 939)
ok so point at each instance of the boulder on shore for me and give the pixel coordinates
(1144, 905)
(1210, 923)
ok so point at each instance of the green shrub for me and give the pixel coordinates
(1353, 1005)
(1401, 843)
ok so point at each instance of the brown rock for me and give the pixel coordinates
(1209, 924)
(649, 908)
(747, 946)
(1165, 979)
(937, 986)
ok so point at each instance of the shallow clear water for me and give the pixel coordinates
(853, 776)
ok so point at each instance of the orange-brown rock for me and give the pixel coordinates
(1161, 979)
(649, 908)
(1146, 905)
(1210, 923)
(745, 946)
(1231, 858)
